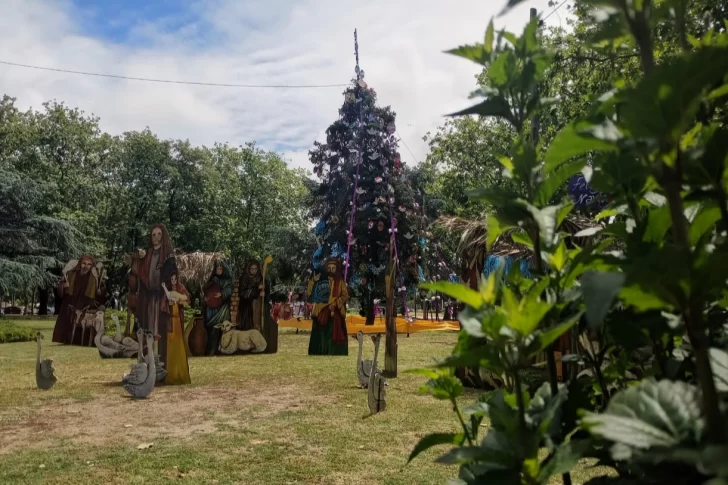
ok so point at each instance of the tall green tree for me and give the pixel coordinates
(31, 245)
(364, 196)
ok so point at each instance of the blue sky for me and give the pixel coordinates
(246, 42)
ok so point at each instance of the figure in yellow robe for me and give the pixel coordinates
(329, 297)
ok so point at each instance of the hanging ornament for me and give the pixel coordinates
(363, 282)
(372, 132)
(378, 180)
(335, 219)
(371, 90)
(350, 98)
(362, 84)
(397, 162)
(362, 267)
(409, 235)
(391, 128)
(372, 143)
(373, 156)
(371, 224)
(361, 74)
(360, 191)
(391, 200)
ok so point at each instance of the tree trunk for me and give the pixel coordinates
(369, 309)
(43, 296)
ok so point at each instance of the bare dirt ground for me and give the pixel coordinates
(168, 413)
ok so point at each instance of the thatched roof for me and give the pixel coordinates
(475, 233)
(196, 267)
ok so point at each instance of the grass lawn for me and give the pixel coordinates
(258, 419)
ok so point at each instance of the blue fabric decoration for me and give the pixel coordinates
(454, 278)
(583, 195)
(492, 263)
(421, 273)
(422, 241)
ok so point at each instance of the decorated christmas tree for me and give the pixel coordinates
(364, 199)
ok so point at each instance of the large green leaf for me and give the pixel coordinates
(550, 336)
(652, 414)
(526, 314)
(600, 290)
(459, 291)
(496, 106)
(435, 439)
(719, 364)
(573, 141)
(666, 100)
(489, 36)
(495, 228)
(544, 409)
(564, 459)
(503, 69)
(556, 178)
(477, 53)
(703, 223)
(659, 222)
(549, 219)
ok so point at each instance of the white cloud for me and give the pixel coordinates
(253, 42)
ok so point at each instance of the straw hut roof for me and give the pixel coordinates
(475, 233)
(196, 267)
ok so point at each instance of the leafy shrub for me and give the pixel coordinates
(10, 332)
(648, 301)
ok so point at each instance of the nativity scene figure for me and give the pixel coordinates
(251, 291)
(217, 294)
(152, 306)
(83, 292)
(178, 370)
(329, 293)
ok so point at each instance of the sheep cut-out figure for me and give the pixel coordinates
(234, 340)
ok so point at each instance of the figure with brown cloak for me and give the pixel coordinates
(80, 290)
(152, 307)
(328, 329)
(251, 291)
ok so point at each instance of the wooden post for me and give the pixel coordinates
(390, 346)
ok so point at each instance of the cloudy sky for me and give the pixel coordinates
(271, 42)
